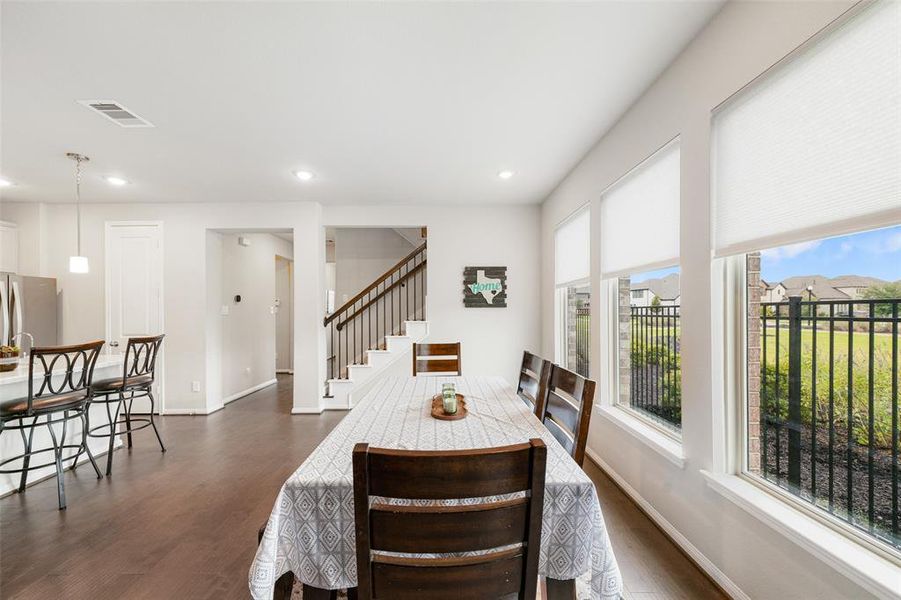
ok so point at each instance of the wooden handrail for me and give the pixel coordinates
(347, 305)
(406, 276)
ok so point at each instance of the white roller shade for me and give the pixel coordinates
(572, 248)
(640, 217)
(814, 148)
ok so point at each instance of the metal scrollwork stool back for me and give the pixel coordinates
(60, 394)
(119, 394)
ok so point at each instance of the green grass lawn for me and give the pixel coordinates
(819, 398)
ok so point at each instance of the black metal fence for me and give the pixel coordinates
(655, 383)
(583, 340)
(829, 407)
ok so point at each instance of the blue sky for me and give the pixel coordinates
(873, 253)
(639, 277)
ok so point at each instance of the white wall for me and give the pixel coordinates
(493, 339)
(185, 247)
(361, 255)
(214, 295)
(743, 40)
(248, 330)
(460, 236)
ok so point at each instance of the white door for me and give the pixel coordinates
(134, 289)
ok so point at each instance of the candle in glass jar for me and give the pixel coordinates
(449, 397)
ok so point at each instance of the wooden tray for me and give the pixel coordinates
(438, 408)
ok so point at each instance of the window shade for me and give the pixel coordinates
(814, 149)
(640, 217)
(572, 249)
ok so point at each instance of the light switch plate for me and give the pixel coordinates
(195, 386)
(223, 310)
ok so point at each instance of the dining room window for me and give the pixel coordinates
(806, 195)
(572, 258)
(640, 261)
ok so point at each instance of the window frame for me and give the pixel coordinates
(560, 341)
(611, 345)
(731, 432)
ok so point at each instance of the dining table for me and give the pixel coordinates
(310, 531)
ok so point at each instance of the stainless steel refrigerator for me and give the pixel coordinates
(28, 304)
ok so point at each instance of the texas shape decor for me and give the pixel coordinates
(485, 287)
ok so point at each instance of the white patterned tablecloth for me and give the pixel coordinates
(311, 527)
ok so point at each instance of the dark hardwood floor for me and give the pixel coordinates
(184, 524)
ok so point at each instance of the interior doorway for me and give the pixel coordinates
(249, 314)
(284, 316)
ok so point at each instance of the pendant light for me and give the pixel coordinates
(78, 263)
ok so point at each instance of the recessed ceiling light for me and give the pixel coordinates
(505, 174)
(5, 182)
(303, 175)
(113, 180)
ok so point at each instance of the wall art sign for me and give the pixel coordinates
(485, 287)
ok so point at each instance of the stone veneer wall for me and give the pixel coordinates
(571, 306)
(754, 335)
(624, 318)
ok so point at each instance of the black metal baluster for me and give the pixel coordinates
(813, 406)
(794, 394)
(895, 367)
(764, 423)
(850, 439)
(778, 417)
(871, 419)
(831, 407)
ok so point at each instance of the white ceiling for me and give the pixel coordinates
(385, 102)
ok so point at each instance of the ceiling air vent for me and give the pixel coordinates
(115, 112)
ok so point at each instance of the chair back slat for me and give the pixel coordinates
(61, 369)
(507, 531)
(140, 356)
(437, 358)
(567, 413)
(563, 410)
(562, 435)
(432, 475)
(533, 379)
(473, 527)
(484, 579)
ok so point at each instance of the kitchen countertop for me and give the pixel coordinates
(20, 373)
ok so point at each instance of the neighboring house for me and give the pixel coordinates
(772, 292)
(855, 285)
(817, 287)
(664, 288)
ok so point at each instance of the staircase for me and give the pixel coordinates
(375, 330)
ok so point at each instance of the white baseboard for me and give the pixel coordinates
(285, 371)
(249, 391)
(680, 540)
(306, 411)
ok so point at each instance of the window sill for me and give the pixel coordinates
(863, 566)
(664, 445)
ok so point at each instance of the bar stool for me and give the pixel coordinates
(120, 393)
(62, 395)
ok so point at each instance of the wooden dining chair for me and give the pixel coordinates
(533, 377)
(567, 410)
(507, 533)
(437, 358)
